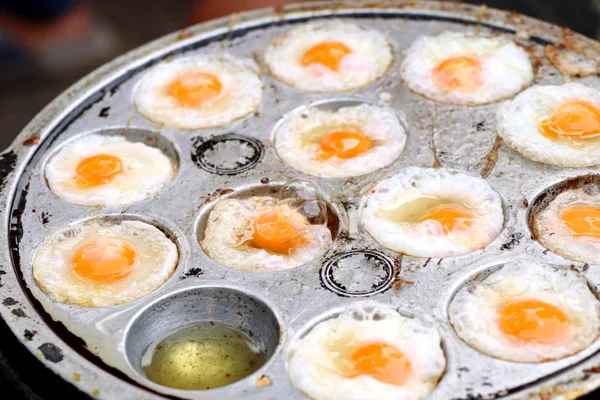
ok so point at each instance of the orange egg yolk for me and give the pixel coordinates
(450, 217)
(582, 220)
(458, 74)
(277, 232)
(533, 321)
(344, 144)
(104, 260)
(97, 170)
(380, 361)
(573, 120)
(328, 54)
(194, 89)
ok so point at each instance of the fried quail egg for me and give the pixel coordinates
(351, 141)
(557, 125)
(103, 170)
(433, 213)
(104, 263)
(570, 224)
(200, 92)
(462, 69)
(263, 234)
(329, 56)
(527, 312)
(368, 351)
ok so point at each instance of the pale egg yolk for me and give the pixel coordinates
(574, 120)
(277, 232)
(380, 361)
(344, 144)
(450, 217)
(97, 170)
(328, 54)
(104, 260)
(533, 321)
(194, 89)
(458, 74)
(582, 220)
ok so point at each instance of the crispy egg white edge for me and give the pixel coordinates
(506, 67)
(228, 221)
(481, 331)
(51, 263)
(442, 183)
(311, 371)
(156, 172)
(242, 90)
(554, 235)
(517, 122)
(284, 54)
(382, 125)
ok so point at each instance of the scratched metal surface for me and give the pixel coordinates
(438, 135)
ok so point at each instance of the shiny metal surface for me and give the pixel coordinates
(438, 135)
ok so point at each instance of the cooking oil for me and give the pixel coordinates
(203, 356)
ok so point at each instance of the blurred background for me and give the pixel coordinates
(46, 45)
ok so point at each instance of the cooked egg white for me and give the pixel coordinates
(104, 263)
(103, 170)
(329, 56)
(557, 125)
(458, 68)
(527, 312)
(570, 224)
(433, 213)
(368, 351)
(350, 141)
(199, 92)
(262, 234)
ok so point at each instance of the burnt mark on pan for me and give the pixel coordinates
(18, 312)
(104, 112)
(51, 352)
(491, 158)
(193, 273)
(7, 165)
(514, 240)
(32, 141)
(228, 154)
(9, 301)
(28, 335)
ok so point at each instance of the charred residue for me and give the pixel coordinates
(9, 301)
(193, 273)
(104, 112)
(7, 165)
(51, 352)
(514, 240)
(18, 312)
(491, 158)
(29, 334)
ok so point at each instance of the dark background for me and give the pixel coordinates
(26, 87)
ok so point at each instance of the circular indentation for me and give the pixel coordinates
(358, 273)
(235, 219)
(228, 154)
(563, 218)
(111, 167)
(224, 306)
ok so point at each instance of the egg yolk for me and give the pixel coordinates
(194, 89)
(380, 361)
(582, 220)
(277, 232)
(328, 54)
(344, 144)
(533, 321)
(104, 260)
(458, 74)
(97, 170)
(450, 217)
(573, 120)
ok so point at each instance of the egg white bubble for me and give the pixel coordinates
(518, 123)
(370, 58)
(474, 310)
(422, 239)
(506, 68)
(556, 236)
(230, 221)
(146, 171)
(241, 92)
(297, 140)
(53, 271)
(313, 364)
